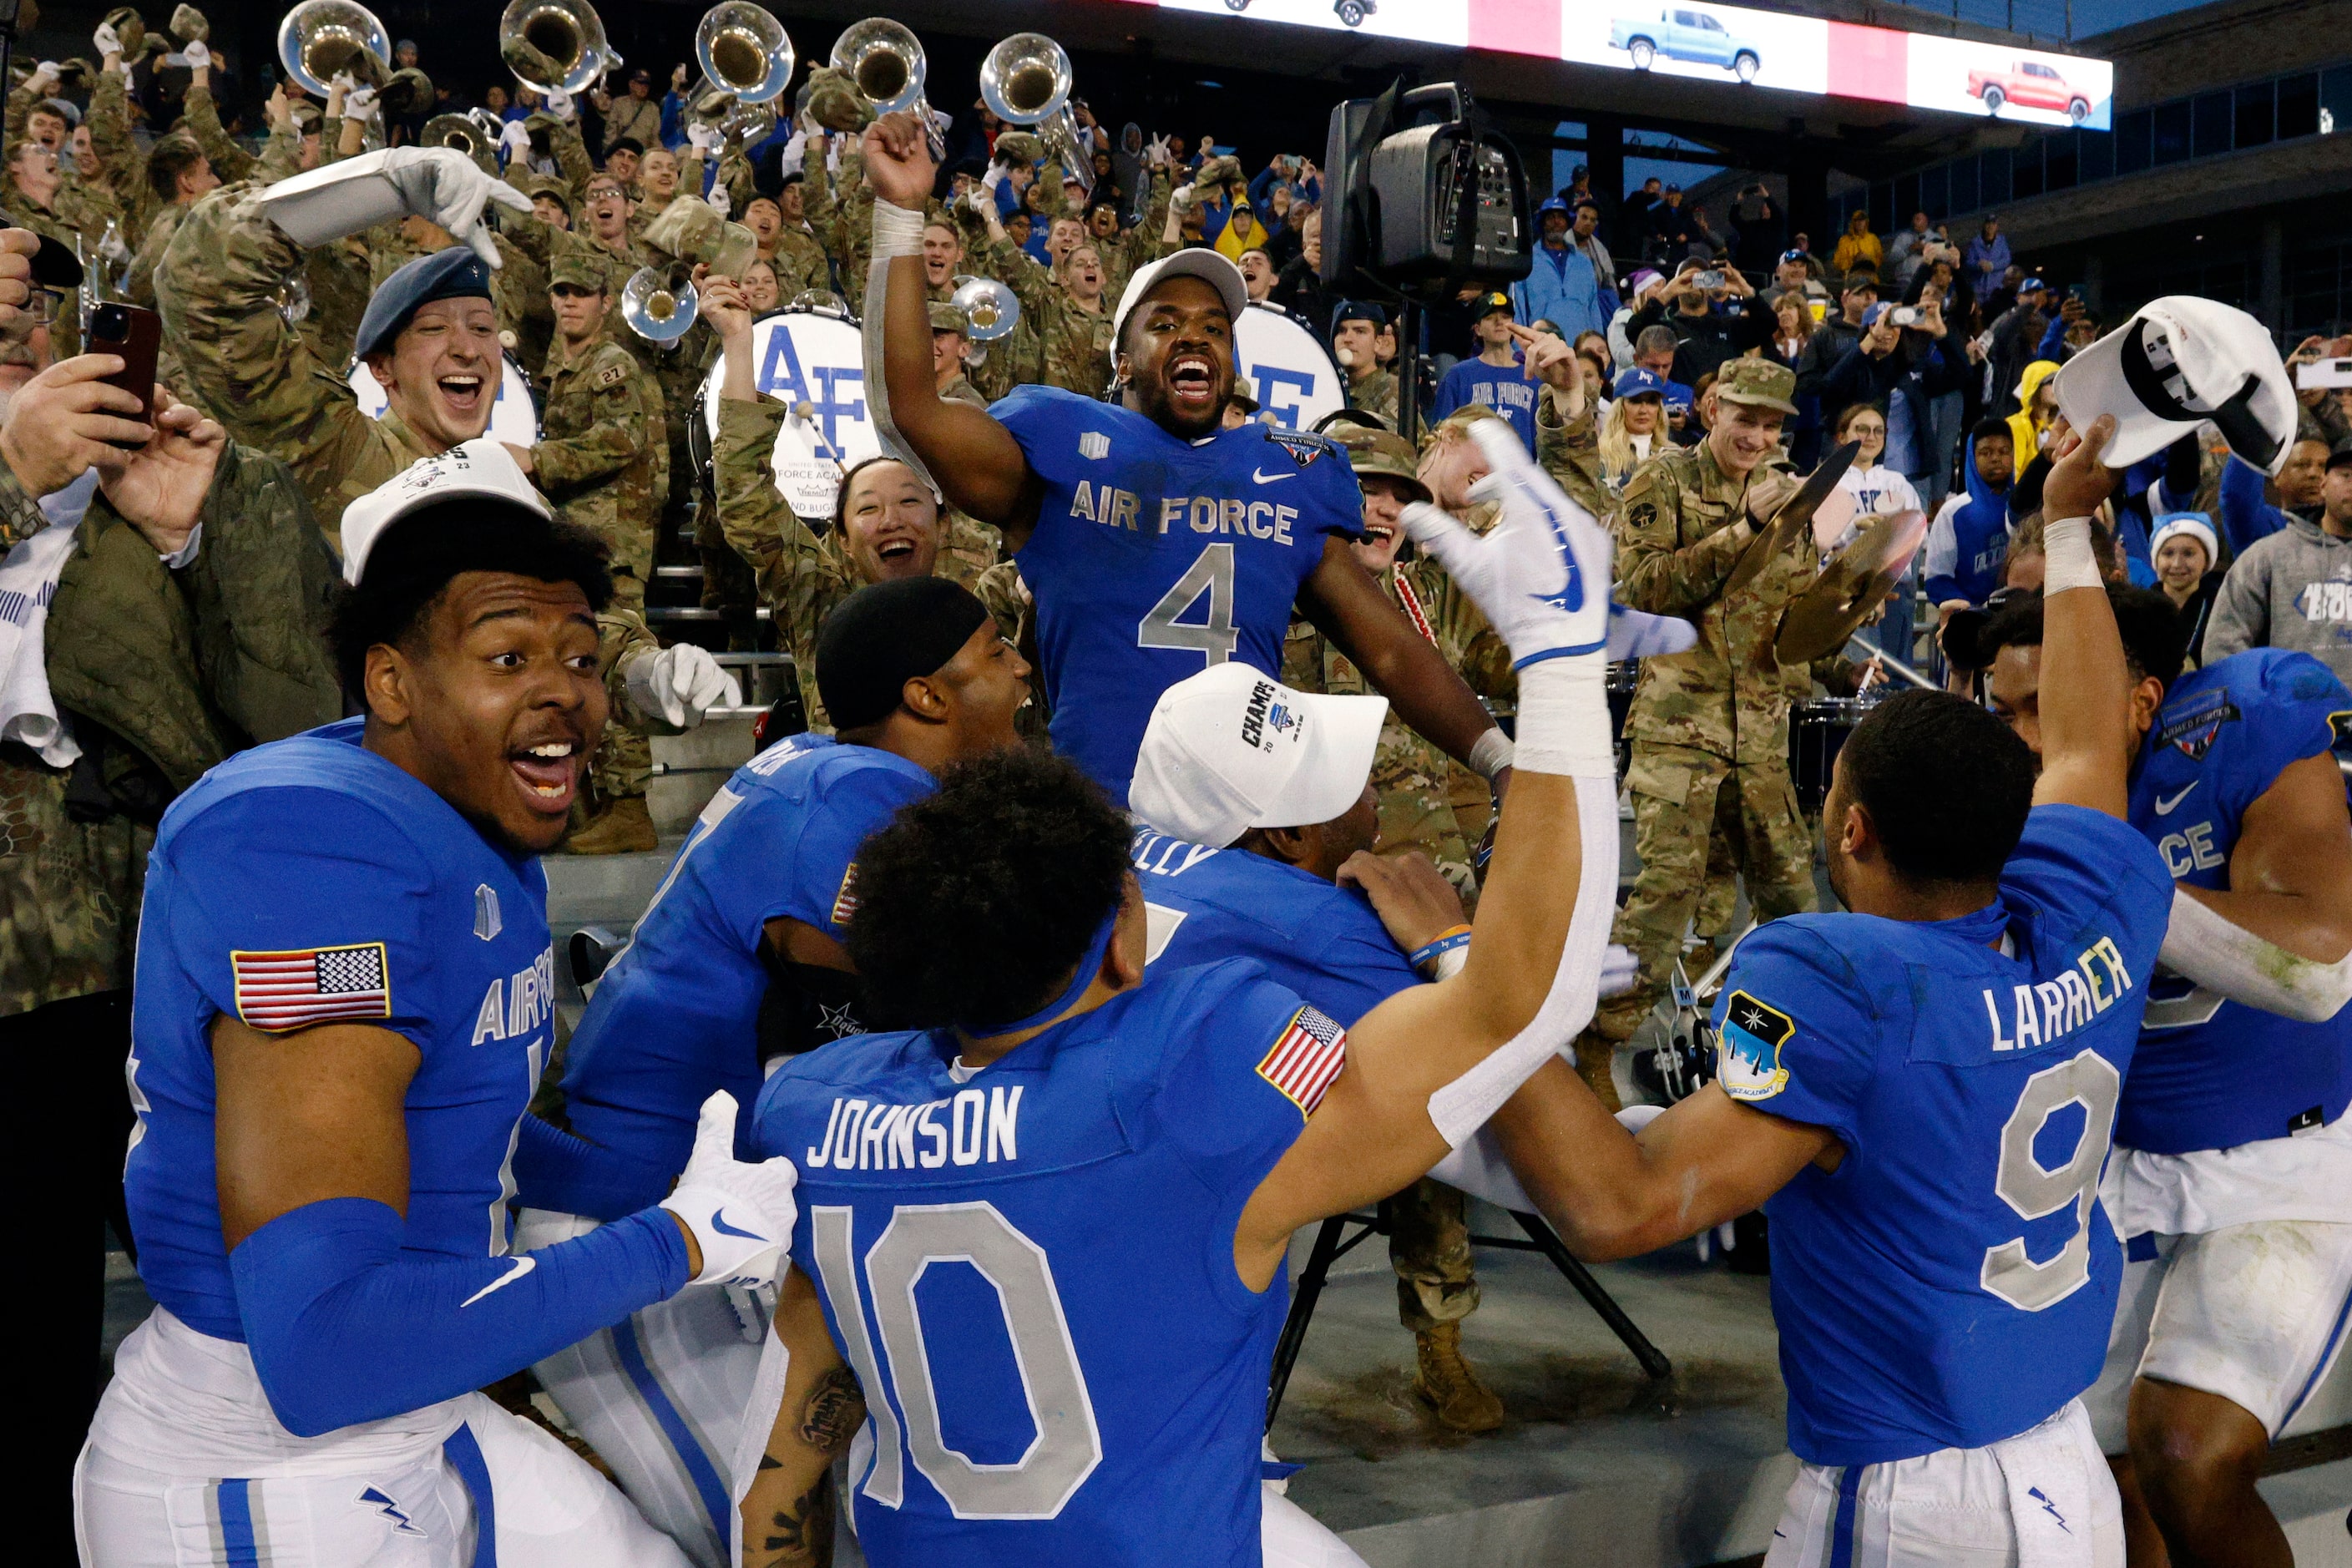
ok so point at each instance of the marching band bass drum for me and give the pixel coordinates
(514, 415)
(1286, 366)
(814, 362)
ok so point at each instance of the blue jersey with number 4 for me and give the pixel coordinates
(2214, 1074)
(678, 1015)
(308, 882)
(1154, 557)
(1030, 1270)
(1320, 940)
(1951, 1283)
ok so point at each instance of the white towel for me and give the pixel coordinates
(29, 580)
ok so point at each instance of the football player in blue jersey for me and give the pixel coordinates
(344, 999)
(2232, 1182)
(1155, 542)
(1042, 1258)
(739, 958)
(1919, 1093)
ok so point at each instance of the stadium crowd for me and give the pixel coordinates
(352, 375)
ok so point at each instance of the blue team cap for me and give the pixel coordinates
(2029, 285)
(1792, 255)
(1359, 310)
(1552, 205)
(1638, 383)
(456, 273)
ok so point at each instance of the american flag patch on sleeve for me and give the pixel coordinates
(844, 902)
(1305, 1059)
(279, 991)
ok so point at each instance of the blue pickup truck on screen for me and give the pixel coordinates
(1680, 33)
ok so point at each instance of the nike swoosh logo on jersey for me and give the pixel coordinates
(718, 1222)
(522, 1266)
(2164, 807)
(1265, 478)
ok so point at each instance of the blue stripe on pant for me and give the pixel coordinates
(2319, 1368)
(1842, 1530)
(716, 1502)
(464, 1452)
(233, 1500)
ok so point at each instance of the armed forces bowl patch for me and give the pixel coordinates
(2193, 724)
(1748, 1054)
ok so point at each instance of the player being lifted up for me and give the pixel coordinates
(1920, 1093)
(1155, 542)
(1046, 1232)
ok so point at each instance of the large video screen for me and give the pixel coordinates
(1734, 45)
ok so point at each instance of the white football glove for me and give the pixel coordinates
(742, 1212)
(1542, 575)
(680, 685)
(106, 40)
(559, 104)
(196, 55)
(1636, 634)
(445, 185)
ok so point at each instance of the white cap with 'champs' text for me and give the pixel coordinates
(1231, 748)
(482, 469)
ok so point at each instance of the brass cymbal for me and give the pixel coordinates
(1817, 621)
(1794, 518)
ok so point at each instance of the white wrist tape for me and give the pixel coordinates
(2224, 957)
(896, 231)
(1491, 754)
(2069, 562)
(1564, 718)
(1462, 1107)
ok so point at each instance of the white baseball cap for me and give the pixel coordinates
(1209, 265)
(1232, 747)
(2178, 362)
(482, 469)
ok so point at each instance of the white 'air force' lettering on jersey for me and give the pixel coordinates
(1116, 508)
(2042, 1013)
(513, 1008)
(972, 1129)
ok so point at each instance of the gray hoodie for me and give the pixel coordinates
(2291, 590)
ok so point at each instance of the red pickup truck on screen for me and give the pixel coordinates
(2029, 84)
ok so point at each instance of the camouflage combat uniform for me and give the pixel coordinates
(1074, 342)
(602, 460)
(800, 264)
(802, 575)
(1708, 732)
(839, 210)
(1376, 394)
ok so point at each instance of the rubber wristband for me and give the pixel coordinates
(2068, 561)
(896, 231)
(1445, 942)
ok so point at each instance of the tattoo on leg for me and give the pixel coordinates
(836, 1406)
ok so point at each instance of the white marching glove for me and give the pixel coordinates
(1155, 151)
(721, 202)
(1183, 199)
(46, 70)
(680, 685)
(559, 104)
(1542, 575)
(450, 189)
(514, 140)
(197, 55)
(1636, 634)
(1618, 970)
(106, 40)
(740, 1212)
(359, 104)
(703, 138)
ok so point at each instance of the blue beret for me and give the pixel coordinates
(456, 273)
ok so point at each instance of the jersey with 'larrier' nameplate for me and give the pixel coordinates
(311, 881)
(1154, 557)
(2212, 1073)
(1951, 1282)
(678, 1015)
(1030, 1270)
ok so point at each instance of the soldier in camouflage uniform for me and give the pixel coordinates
(951, 348)
(1428, 1240)
(799, 259)
(885, 524)
(1708, 732)
(1063, 305)
(603, 460)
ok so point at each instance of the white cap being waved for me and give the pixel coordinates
(481, 468)
(1231, 748)
(1206, 265)
(2179, 361)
